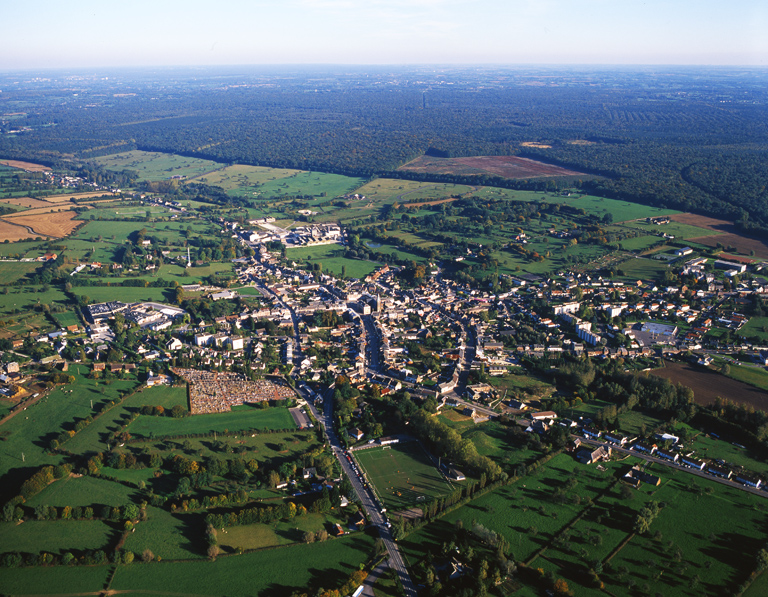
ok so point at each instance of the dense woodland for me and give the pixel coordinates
(686, 138)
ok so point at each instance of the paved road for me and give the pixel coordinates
(364, 493)
(687, 469)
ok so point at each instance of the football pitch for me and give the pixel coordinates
(402, 474)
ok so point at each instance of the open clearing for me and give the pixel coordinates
(77, 196)
(504, 166)
(730, 236)
(58, 224)
(708, 385)
(28, 166)
(403, 474)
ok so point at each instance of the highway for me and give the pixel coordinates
(365, 495)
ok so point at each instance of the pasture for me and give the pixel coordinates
(269, 572)
(256, 182)
(11, 272)
(83, 491)
(155, 166)
(55, 536)
(332, 258)
(240, 418)
(39, 580)
(403, 474)
(169, 535)
(285, 532)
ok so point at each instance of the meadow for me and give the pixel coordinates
(27, 436)
(83, 491)
(39, 580)
(55, 537)
(285, 532)
(154, 166)
(332, 259)
(169, 535)
(12, 272)
(240, 418)
(403, 474)
(267, 573)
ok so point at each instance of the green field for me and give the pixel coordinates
(39, 580)
(55, 537)
(171, 536)
(676, 229)
(643, 269)
(756, 327)
(83, 491)
(332, 259)
(12, 272)
(639, 243)
(94, 437)
(120, 232)
(28, 434)
(240, 418)
(155, 166)
(402, 474)
(258, 536)
(269, 572)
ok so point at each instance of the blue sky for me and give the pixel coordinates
(88, 33)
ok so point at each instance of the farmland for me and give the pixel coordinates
(264, 572)
(502, 166)
(56, 224)
(708, 385)
(54, 537)
(153, 166)
(12, 232)
(403, 474)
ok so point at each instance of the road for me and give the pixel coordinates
(687, 469)
(364, 493)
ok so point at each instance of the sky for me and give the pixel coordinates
(118, 33)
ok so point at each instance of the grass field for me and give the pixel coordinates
(39, 580)
(756, 327)
(83, 491)
(94, 437)
(402, 474)
(492, 439)
(172, 536)
(639, 243)
(258, 536)
(332, 259)
(269, 573)
(29, 434)
(678, 230)
(55, 536)
(11, 272)
(643, 269)
(524, 512)
(155, 166)
(165, 232)
(243, 417)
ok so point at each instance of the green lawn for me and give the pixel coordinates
(257, 536)
(756, 327)
(269, 572)
(155, 166)
(403, 474)
(11, 272)
(331, 257)
(240, 418)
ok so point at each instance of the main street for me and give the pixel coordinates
(364, 493)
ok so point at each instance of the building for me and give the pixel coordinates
(590, 456)
(637, 474)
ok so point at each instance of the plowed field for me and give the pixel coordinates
(28, 166)
(730, 237)
(708, 385)
(504, 166)
(13, 233)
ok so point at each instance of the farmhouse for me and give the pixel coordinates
(638, 474)
(590, 456)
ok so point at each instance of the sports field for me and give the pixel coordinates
(403, 474)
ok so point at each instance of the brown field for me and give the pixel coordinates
(535, 144)
(504, 166)
(57, 224)
(730, 237)
(36, 211)
(28, 166)
(436, 202)
(25, 202)
(13, 233)
(65, 198)
(708, 385)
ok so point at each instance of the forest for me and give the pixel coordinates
(688, 139)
